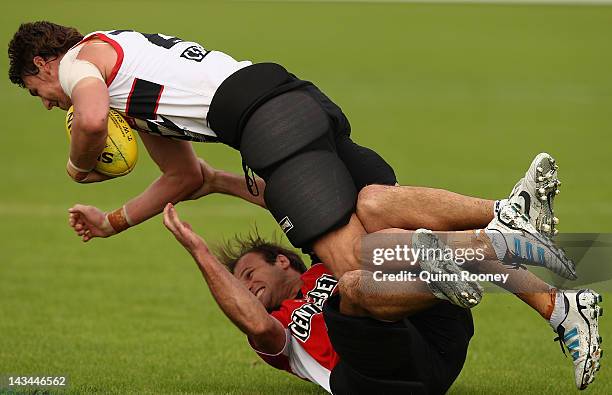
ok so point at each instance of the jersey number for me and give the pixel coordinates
(195, 52)
(161, 41)
(154, 38)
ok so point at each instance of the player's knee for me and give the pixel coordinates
(360, 297)
(352, 295)
(369, 202)
(349, 286)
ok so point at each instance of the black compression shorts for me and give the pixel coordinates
(298, 141)
(422, 354)
(313, 188)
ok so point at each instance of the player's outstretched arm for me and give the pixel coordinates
(219, 181)
(181, 176)
(265, 333)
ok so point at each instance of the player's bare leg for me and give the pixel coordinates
(521, 282)
(406, 207)
(380, 207)
(362, 296)
(572, 314)
(341, 250)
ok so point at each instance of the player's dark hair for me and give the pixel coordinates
(42, 38)
(230, 252)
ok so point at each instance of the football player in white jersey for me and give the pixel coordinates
(283, 126)
(287, 131)
(167, 86)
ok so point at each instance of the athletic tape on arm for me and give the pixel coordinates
(73, 70)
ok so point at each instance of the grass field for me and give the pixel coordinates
(455, 96)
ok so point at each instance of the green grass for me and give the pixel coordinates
(459, 97)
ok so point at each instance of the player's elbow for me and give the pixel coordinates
(187, 182)
(266, 335)
(80, 178)
(194, 181)
(263, 329)
(80, 181)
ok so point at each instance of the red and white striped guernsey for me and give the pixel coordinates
(164, 85)
(307, 353)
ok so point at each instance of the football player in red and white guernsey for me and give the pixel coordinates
(352, 336)
(347, 337)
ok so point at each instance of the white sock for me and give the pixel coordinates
(559, 312)
(498, 205)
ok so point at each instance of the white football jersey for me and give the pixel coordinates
(164, 85)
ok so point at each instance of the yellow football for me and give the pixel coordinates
(121, 150)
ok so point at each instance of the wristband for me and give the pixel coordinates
(118, 220)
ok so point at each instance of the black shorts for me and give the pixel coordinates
(365, 165)
(422, 354)
(298, 141)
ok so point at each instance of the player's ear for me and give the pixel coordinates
(282, 261)
(39, 62)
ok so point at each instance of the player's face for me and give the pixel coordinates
(268, 282)
(46, 86)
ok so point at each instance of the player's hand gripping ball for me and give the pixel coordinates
(121, 150)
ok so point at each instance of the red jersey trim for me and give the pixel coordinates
(158, 99)
(116, 47)
(129, 99)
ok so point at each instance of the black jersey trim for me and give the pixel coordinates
(144, 99)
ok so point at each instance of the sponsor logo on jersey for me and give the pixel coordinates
(301, 318)
(195, 53)
(323, 290)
